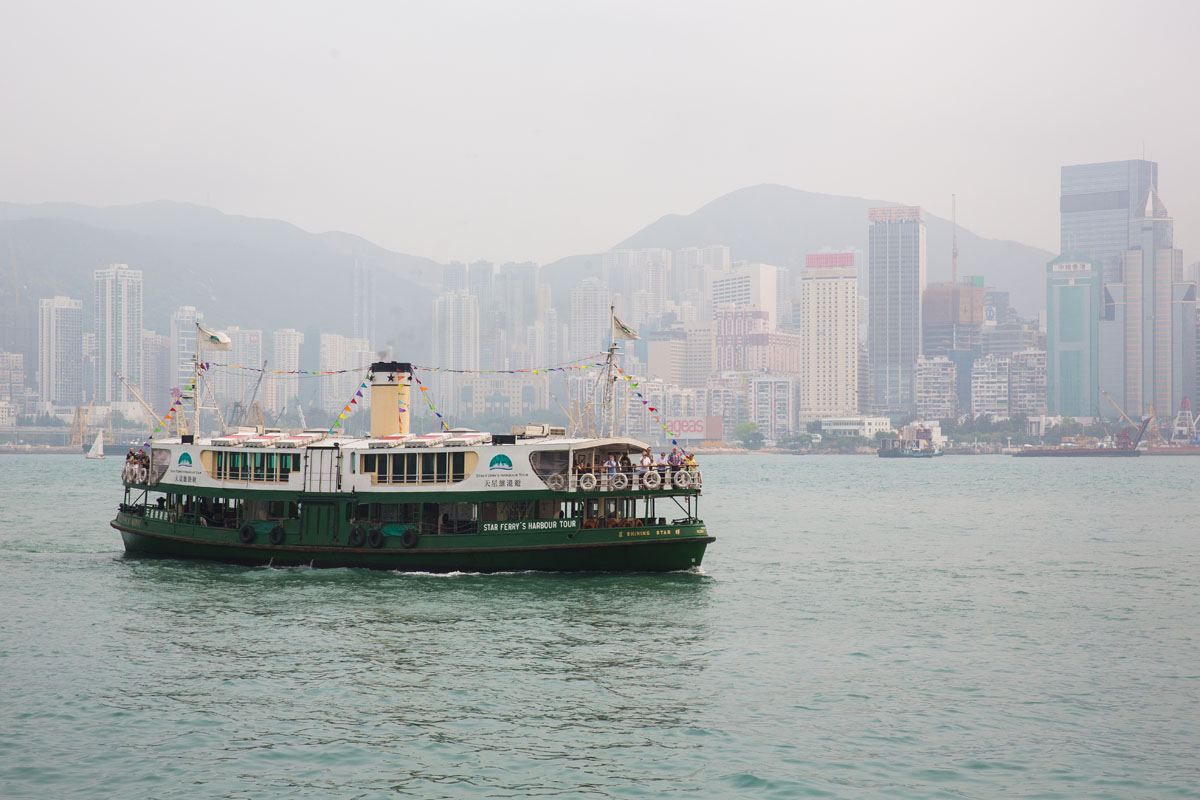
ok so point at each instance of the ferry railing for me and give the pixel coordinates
(664, 480)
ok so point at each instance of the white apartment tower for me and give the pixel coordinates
(183, 344)
(283, 391)
(591, 325)
(829, 345)
(118, 325)
(60, 351)
(755, 285)
(937, 395)
(342, 353)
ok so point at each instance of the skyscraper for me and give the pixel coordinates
(455, 344)
(118, 325)
(828, 314)
(183, 344)
(749, 285)
(157, 370)
(895, 282)
(236, 386)
(1073, 310)
(363, 290)
(1097, 206)
(351, 358)
(591, 329)
(60, 351)
(283, 390)
(1151, 267)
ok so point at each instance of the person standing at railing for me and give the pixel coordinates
(610, 466)
(675, 459)
(646, 464)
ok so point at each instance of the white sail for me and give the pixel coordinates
(97, 450)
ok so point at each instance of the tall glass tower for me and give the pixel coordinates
(895, 283)
(1097, 205)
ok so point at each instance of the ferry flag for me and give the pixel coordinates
(623, 331)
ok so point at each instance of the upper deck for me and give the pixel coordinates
(533, 458)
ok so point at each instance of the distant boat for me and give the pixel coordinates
(97, 450)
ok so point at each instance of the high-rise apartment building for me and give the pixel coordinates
(591, 323)
(454, 277)
(1073, 311)
(118, 326)
(773, 405)
(1098, 205)
(283, 390)
(60, 351)
(362, 287)
(1027, 383)
(455, 343)
(749, 285)
(236, 386)
(183, 344)
(350, 356)
(157, 371)
(937, 388)
(989, 387)
(12, 377)
(952, 316)
(828, 312)
(895, 283)
(735, 326)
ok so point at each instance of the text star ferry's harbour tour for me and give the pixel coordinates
(456, 500)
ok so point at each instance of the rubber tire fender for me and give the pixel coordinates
(409, 539)
(375, 538)
(277, 535)
(246, 534)
(357, 536)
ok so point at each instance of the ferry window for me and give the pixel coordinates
(441, 460)
(427, 467)
(368, 462)
(458, 466)
(259, 466)
(272, 474)
(275, 509)
(285, 465)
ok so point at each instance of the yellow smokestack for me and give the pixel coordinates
(390, 393)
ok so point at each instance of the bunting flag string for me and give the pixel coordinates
(176, 405)
(424, 390)
(348, 409)
(579, 364)
(304, 373)
(651, 410)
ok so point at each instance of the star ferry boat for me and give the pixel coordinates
(459, 500)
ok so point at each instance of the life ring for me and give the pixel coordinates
(619, 481)
(375, 538)
(277, 535)
(556, 482)
(246, 534)
(408, 539)
(357, 536)
(652, 480)
(587, 481)
(682, 479)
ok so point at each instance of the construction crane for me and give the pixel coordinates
(133, 390)
(79, 425)
(1120, 410)
(1184, 428)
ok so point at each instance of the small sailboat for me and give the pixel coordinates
(97, 450)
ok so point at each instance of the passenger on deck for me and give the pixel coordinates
(647, 462)
(675, 459)
(690, 462)
(661, 464)
(610, 465)
(624, 463)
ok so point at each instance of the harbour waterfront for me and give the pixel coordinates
(986, 627)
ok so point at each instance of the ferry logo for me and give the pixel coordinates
(500, 461)
(185, 460)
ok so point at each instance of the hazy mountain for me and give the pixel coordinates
(238, 270)
(778, 225)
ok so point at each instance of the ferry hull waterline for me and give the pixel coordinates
(454, 501)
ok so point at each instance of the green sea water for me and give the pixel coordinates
(959, 628)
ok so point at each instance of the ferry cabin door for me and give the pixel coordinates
(320, 523)
(322, 469)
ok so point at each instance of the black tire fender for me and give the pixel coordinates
(408, 540)
(277, 535)
(246, 534)
(357, 536)
(375, 538)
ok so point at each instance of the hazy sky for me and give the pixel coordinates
(525, 130)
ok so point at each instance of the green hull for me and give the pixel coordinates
(645, 549)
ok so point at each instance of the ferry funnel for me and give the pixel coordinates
(390, 392)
